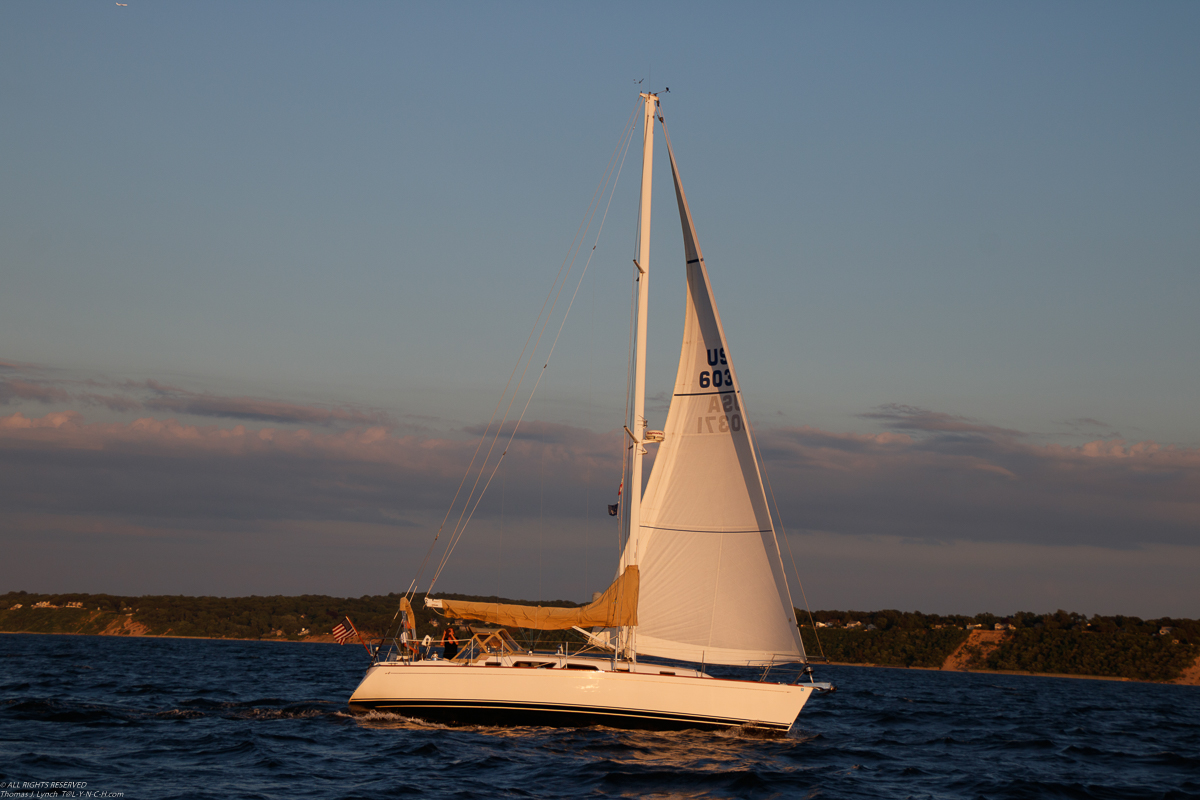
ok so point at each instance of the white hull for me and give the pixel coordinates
(575, 692)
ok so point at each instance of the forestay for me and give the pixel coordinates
(713, 588)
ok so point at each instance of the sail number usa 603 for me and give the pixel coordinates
(723, 415)
(718, 377)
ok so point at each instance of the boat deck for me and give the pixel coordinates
(553, 661)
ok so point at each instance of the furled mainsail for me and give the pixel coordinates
(616, 607)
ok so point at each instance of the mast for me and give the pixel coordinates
(643, 280)
(639, 360)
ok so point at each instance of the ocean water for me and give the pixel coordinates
(155, 718)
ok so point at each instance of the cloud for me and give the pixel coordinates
(38, 385)
(201, 404)
(530, 431)
(240, 487)
(913, 418)
(19, 422)
(162, 493)
(113, 402)
(162, 468)
(13, 389)
(993, 487)
(1001, 577)
(844, 442)
(1092, 427)
(983, 483)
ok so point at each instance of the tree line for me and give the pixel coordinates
(1063, 642)
(270, 617)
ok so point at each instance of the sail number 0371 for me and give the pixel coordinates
(722, 415)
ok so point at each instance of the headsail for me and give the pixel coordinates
(713, 587)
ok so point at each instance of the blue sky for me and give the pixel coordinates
(971, 225)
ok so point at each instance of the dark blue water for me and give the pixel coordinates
(154, 718)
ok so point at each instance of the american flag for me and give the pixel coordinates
(613, 509)
(343, 631)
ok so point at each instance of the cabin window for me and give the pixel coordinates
(581, 666)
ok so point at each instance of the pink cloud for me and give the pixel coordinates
(544, 442)
(19, 422)
(67, 430)
(40, 387)
(991, 487)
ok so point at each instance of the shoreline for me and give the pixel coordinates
(1189, 678)
(323, 638)
(1014, 672)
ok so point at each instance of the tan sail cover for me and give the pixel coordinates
(616, 607)
(713, 587)
(409, 618)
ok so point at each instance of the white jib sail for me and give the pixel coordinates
(713, 588)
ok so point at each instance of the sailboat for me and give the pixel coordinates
(700, 579)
